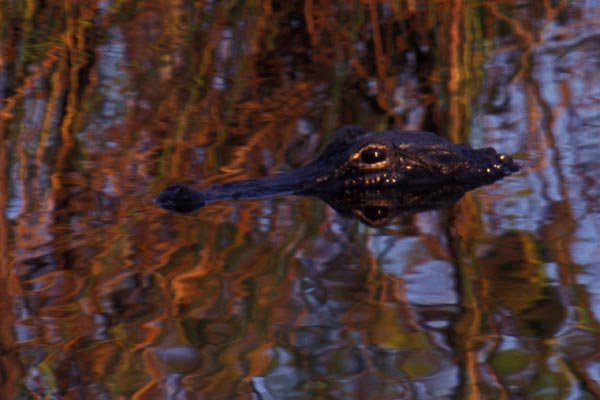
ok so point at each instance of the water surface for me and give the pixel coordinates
(106, 296)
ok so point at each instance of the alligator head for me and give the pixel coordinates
(360, 164)
(356, 158)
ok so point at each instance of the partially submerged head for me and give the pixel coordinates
(358, 161)
(359, 158)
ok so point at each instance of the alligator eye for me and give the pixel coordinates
(373, 155)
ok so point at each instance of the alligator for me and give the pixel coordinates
(413, 170)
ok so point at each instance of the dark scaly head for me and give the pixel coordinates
(359, 159)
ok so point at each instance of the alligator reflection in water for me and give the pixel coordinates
(382, 206)
(371, 175)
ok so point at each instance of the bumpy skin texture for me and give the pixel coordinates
(404, 159)
(362, 164)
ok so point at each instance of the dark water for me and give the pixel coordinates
(105, 296)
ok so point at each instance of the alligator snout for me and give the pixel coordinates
(180, 198)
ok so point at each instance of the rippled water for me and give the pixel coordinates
(106, 296)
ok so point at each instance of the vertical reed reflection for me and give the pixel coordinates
(104, 103)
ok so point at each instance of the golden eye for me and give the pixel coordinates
(373, 155)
